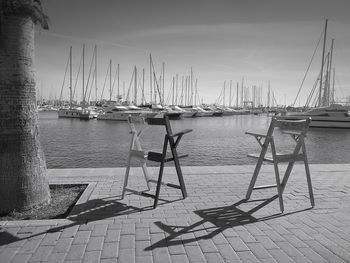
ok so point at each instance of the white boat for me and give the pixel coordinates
(203, 113)
(185, 112)
(333, 116)
(75, 112)
(118, 113)
(145, 113)
(161, 111)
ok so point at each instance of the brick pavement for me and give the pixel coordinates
(209, 226)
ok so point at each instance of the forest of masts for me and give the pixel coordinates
(183, 90)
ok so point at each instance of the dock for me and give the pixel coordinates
(211, 225)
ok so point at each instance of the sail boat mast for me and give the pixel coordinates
(110, 80)
(83, 74)
(322, 61)
(70, 78)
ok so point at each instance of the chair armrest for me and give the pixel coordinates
(181, 132)
(256, 134)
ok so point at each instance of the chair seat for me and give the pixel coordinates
(280, 158)
(158, 157)
(138, 154)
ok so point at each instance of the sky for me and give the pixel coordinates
(257, 42)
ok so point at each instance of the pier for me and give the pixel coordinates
(210, 225)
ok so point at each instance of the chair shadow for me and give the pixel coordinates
(92, 210)
(221, 218)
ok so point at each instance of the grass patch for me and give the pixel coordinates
(63, 199)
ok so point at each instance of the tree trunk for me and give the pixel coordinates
(23, 182)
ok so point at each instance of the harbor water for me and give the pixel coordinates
(74, 143)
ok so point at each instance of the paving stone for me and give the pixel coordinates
(63, 245)
(50, 239)
(127, 241)
(69, 231)
(92, 257)
(142, 234)
(142, 248)
(227, 253)
(126, 255)
(247, 256)
(179, 258)
(213, 257)
(82, 237)
(19, 258)
(128, 229)
(289, 249)
(280, 256)
(110, 250)
(258, 250)
(207, 246)
(112, 235)
(144, 259)
(99, 230)
(56, 257)
(312, 255)
(95, 243)
(161, 255)
(237, 244)
(194, 254)
(76, 252)
(41, 254)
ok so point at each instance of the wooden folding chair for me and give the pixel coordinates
(136, 152)
(297, 129)
(172, 140)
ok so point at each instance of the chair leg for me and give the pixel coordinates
(179, 173)
(309, 184)
(279, 187)
(146, 175)
(159, 183)
(126, 177)
(254, 178)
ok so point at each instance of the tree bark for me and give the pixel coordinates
(23, 181)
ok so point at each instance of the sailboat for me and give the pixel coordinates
(328, 114)
(75, 111)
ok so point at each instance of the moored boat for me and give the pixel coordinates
(333, 116)
(118, 113)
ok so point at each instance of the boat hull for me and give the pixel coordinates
(122, 116)
(323, 122)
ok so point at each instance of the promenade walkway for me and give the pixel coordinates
(211, 225)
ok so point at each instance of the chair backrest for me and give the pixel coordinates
(162, 122)
(135, 141)
(295, 125)
(299, 126)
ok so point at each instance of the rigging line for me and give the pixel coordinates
(131, 80)
(315, 102)
(88, 80)
(318, 79)
(92, 83)
(64, 78)
(169, 94)
(104, 83)
(308, 68)
(339, 85)
(157, 85)
(140, 86)
(76, 80)
(114, 79)
(307, 103)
